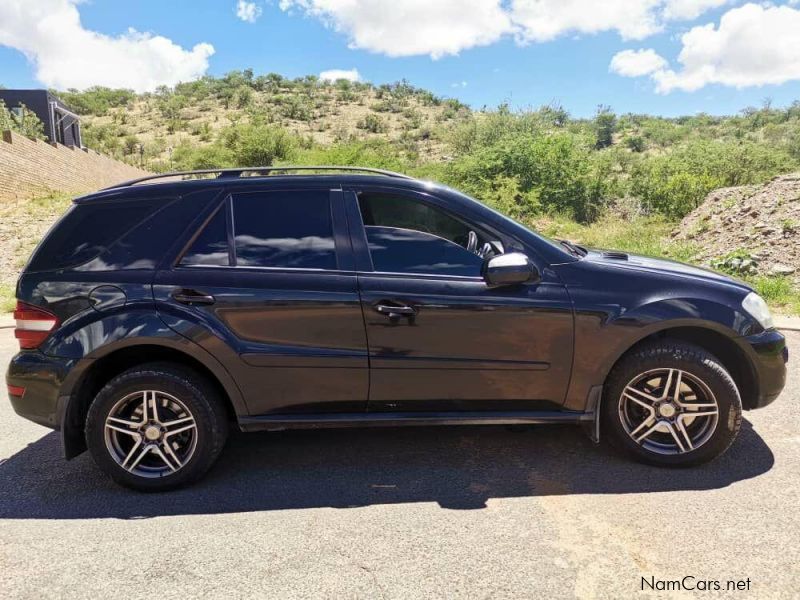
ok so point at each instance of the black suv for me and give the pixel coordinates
(154, 314)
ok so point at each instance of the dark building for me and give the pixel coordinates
(60, 123)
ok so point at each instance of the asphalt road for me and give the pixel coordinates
(407, 513)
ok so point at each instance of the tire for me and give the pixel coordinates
(671, 433)
(188, 417)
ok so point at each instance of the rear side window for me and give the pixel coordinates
(284, 229)
(89, 229)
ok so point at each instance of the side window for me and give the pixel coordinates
(408, 236)
(211, 246)
(288, 229)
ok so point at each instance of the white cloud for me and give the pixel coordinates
(50, 34)
(545, 20)
(337, 74)
(635, 63)
(410, 27)
(753, 45)
(446, 27)
(688, 10)
(248, 11)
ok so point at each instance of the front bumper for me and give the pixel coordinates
(42, 377)
(769, 355)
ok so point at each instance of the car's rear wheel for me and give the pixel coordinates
(156, 427)
(671, 404)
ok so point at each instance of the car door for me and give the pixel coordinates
(439, 338)
(266, 285)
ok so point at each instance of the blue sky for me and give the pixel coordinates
(482, 52)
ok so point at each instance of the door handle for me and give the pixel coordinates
(394, 312)
(192, 297)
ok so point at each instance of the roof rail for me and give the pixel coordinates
(238, 171)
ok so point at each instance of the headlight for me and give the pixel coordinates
(758, 309)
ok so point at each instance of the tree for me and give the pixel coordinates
(605, 124)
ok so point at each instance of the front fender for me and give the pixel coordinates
(603, 334)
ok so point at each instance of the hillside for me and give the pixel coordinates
(150, 128)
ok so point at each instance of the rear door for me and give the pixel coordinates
(266, 284)
(440, 339)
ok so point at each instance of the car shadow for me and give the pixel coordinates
(457, 467)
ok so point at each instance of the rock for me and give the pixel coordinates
(780, 269)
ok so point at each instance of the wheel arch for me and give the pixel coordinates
(98, 371)
(732, 356)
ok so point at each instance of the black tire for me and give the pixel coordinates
(697, 363)
(199, 399)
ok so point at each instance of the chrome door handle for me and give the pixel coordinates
(193, 297)
(394, 312)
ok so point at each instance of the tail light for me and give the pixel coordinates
(34, 325)
(15, 390)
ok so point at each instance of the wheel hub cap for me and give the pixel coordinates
(152, 433)
(667, 410)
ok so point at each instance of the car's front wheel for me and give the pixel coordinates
(156, 427)
(671, 404)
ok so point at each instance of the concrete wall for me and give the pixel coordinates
(29, 168)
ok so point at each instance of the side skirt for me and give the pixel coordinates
(410, 419)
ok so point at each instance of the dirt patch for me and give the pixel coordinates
(757, 226)
(22, 225)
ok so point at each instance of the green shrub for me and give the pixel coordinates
(552, 171)
(242, 145)
(23, 121)
(378, 154)
(373, 124)
(96, 100)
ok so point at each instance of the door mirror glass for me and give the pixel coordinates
(509, 269)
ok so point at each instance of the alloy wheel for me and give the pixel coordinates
(668, 411)
(150, 433)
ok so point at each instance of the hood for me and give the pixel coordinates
(660, 265)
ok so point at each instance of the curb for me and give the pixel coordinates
(787, 323)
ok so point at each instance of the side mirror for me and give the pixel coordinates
(509, 269)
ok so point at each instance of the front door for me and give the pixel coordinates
(267, 286)
(439, 338)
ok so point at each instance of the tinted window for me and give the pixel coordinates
(144, 246)
(284, 230)
(407, 236)
(396, 250)
(404, 213)
(211, 246)
(87, 230)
